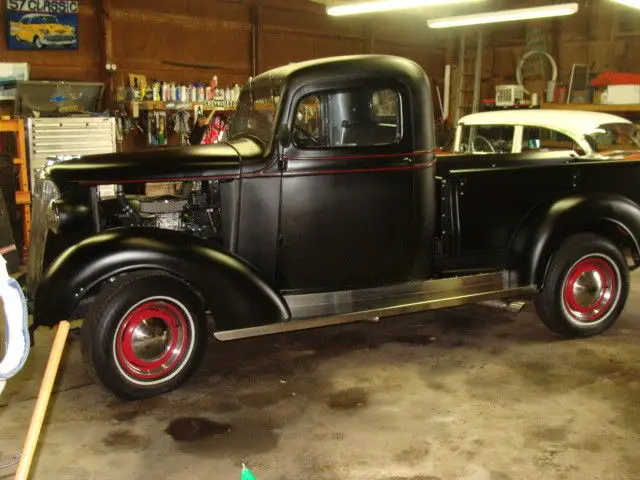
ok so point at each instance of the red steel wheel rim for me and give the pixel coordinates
(590, 289)
(152, 339)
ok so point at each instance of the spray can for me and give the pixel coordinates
(156, 92)
(165, 92)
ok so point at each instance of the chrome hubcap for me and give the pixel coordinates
(150, 339)
(588, 288)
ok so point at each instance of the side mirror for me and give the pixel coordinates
(283, 135)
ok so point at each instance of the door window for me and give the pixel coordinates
(487, 138)
(358, 117)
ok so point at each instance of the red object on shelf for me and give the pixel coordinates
(613, 78)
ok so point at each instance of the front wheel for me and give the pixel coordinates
(585, 288)
(37, 42)
(144, 335)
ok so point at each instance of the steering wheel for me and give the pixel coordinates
(305, 138)
(485, 140)
(502, 146)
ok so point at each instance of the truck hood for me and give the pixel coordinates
(166, 164)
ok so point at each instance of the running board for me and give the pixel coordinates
(371, 305)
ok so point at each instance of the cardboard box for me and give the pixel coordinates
(621, 95)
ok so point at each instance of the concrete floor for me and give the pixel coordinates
(469, 393)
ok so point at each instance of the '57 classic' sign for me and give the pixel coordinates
(42, 24)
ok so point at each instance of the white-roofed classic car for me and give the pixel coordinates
(583, 134)
(324, 205)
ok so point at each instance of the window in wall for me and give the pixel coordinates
(358, 117)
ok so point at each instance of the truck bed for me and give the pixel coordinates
(484, 199)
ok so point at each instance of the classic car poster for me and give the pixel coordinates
(42, 24)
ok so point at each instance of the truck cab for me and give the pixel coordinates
(324, 205)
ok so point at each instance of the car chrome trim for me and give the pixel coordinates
(335, 308)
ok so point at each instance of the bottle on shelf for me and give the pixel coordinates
(156, 91)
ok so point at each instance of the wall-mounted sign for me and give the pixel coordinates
(42, 24)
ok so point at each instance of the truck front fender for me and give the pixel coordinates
(545, 228)
(233, 291)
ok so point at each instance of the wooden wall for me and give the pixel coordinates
(603, 35)
(79, 64)
(147, 35)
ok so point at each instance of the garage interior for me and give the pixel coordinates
(479, 392)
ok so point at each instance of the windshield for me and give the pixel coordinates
(611, 137)
(255, 114)
(45, 19)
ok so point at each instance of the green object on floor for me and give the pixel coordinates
(247, 474)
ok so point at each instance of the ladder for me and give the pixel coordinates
(23, 195)
(469, 74)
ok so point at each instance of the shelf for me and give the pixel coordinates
(23, 198)
(592, 107)
(18, 161)
(149, 105)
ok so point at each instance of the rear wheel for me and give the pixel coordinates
(144, 335)
(37, 42)
(586, 287)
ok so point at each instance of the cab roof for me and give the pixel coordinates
(346, 65)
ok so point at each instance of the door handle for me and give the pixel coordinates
(282, 163)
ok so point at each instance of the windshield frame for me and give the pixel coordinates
(274, 89)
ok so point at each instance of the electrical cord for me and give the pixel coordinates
(554, 67)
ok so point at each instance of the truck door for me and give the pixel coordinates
(346, 218)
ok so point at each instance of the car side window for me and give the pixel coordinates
(358, 117)
(541, 139)
(487, 138)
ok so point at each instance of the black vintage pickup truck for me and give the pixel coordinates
(324, 205)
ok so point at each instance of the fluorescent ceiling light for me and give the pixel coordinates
(384, 5)
(629, 3)
(505, 16)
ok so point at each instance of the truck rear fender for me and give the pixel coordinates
(546, 227)
(232, 290)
